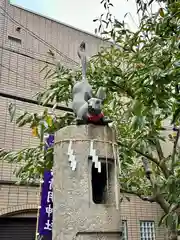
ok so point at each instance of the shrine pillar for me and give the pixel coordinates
(86, 189)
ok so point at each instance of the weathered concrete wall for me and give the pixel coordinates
(75, 213)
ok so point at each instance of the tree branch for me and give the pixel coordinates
(162, 202)
(141, 153)
(127, 91)
(148, 198)
(174, 149)
(152, 159)
(144, 198)
(176, 208)
(158, 199)
(159, 150)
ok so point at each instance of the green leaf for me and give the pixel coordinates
(137, 107)
(127, 198)
(150, 2)
(161, 12)
(21, 117)
(163, 219)
(49, 120)
(176, 115)
(171, 207)
(47, 74)
(24, 119)
(44, 68)
(12, 110)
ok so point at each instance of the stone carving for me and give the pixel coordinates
(88, 109)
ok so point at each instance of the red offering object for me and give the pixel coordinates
(95, 118)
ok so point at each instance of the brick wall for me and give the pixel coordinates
(137, 210)
(20, 75)
(17, 196)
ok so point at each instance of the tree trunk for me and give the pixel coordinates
(173, 236)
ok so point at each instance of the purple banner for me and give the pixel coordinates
(46, 208)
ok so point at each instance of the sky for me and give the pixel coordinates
(80, 13)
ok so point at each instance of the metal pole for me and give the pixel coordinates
(38, 212)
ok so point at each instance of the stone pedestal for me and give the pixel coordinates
(85, 201)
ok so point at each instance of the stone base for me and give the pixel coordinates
(75, 214)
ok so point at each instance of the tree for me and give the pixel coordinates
(140, 72)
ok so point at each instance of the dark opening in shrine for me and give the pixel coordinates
(99, 183)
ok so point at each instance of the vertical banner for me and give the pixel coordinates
(45, 220)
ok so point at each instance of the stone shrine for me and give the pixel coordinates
(86, 187)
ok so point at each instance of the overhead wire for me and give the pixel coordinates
(31, 101)
(25, 55)
(38, 37)
(28, 56)
(63, 108)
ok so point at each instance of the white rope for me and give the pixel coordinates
(115, 178)
(107, 170)
(89, 179)
(85, 140)
(118, 161)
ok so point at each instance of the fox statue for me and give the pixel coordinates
(88, 109)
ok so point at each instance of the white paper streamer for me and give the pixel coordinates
(99, 167)
(94, 156)
(72, 158)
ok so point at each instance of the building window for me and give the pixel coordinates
(147, 230)
(124, 230)
(14, 40)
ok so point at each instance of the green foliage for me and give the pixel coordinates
(140, 73)
(31, 162)
(143, 70)
(62, 81)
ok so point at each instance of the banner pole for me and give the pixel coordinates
(43, 225)
(38, 212)
(40, 188)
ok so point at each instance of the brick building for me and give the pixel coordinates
(25, 40)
